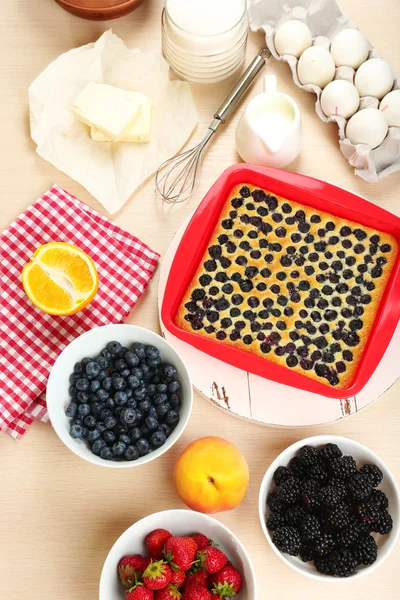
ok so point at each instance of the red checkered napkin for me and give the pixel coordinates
(31, 340)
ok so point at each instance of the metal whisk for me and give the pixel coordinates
(176, 178)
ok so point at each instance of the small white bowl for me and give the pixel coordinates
(178, 522)
(92, 343)
(361, 455)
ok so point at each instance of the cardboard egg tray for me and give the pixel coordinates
(325, 20)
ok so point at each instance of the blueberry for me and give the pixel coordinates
(120, 398)
(97, 446)
(95, 386)
(143, 446)
(106, 453)
(151, 423)
(73, 392)
(107, 384)
(175, 400)
(135, 434)
(145, 431)
(71, 410)
(140, 393)
(83, 410)
(145, 405)
(133, 382)
(82, 397)
(154, 362)
(114, 348)
(93, 435)
(82, 385)
(102, 395)
(109, 437)
(85, 361)
(139, 349)
(174, 386)
(73, 378)
(125, 439)
(118, 448)
(128, 416)
(119, 364)
(152, 352)
(169, 370)
(131, 453)
(76, 431)
(110, 422)
(158, 439)
(78, 367)
(93, 369)
(162, 409)
(119, 383)
(172, 417)
(100, 426)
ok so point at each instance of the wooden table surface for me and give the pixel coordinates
(59, 516)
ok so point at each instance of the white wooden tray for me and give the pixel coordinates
(265, 402)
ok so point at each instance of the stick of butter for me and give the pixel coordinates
(109, 109)
(138, 132)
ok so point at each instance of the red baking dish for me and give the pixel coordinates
(308, 191)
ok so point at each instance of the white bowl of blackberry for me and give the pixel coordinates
(329, 508)
(119, 396)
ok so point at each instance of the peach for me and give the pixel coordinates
(211, 475)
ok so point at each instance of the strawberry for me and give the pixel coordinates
(179, 552)
(128, 567)
(227, 582)
(198, 579)
(211, 559)
(157, 575)
(139, 593)
(155, 542)
(197, 592)
(201, 540)
(178, 578)
(169, 593)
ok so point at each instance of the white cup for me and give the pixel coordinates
(269, 132)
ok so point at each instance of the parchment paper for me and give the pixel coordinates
(111, 172)
(325, 19)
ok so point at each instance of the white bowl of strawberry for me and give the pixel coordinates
(177, 555)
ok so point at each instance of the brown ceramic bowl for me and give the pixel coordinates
(99, 10)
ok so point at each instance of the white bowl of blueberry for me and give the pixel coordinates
(119, 396)
(329, 508)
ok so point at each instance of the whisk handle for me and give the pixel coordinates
(242, 85)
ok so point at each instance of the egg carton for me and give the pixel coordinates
(325, 20)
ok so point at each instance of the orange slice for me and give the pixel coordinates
(60, 279)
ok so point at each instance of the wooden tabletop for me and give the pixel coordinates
(59, 516)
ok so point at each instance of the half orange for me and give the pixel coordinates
(60, 279)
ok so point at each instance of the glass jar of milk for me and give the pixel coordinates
(204, 41)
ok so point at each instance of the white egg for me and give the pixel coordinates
(340, 98)
(367, 126)
(316, 66)
(374, 78)
(293, 37)
(350, 48)
(390, 106)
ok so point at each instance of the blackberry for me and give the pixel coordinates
(329, 452)
(338, 518)
(379, 499)
(344, 467)
(324, 545)
(289, 491)
(329, 496)
(368, 514)
(309, 527)
(350, 536)
(324, 565)
(318, 473)
(373, 474)
(293, 515)
(297, 468)
(308, 456)
(287, 540)
(343, 562)
(281, 475)
(307, 552)
(365, 551)
(275, 520)
(309, 495)
(384, 524)
(274, 501)
(359, 487)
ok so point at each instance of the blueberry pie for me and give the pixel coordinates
(292, 284)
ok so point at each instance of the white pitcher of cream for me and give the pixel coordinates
(269, 132)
